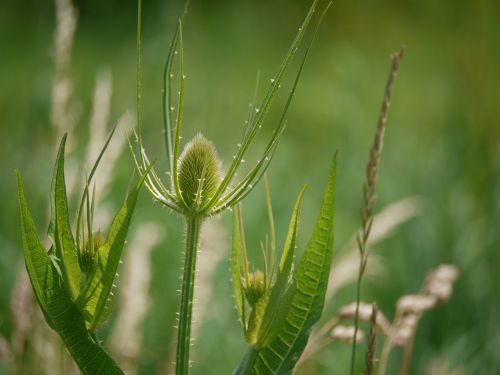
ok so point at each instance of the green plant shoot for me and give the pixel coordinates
(284, 303)
(72, 281)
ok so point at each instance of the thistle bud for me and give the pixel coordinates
(255, 287)
(199, 172)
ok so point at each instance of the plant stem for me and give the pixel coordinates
(246, 365)
(193, 225)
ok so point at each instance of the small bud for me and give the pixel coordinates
(88, 253)
(255, 287)
(199, 172)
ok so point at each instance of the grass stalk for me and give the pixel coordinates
(372, 342)
(369, 195)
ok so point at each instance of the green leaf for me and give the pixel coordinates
(237, 254)
(60, 312)
(94, 298)
(311, 279)
(65, 245)
(286, 261)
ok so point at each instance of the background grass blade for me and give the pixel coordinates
(59, 311)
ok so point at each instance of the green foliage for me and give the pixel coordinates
(72, 285)
(280, 322)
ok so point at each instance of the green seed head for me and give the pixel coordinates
(255, 287)
(199, 172)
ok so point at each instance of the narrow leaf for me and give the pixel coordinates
(237, 254)
(289, 248)
(65, 249)
(88, 180)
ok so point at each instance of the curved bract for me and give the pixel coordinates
(279, 324)
(72, 281)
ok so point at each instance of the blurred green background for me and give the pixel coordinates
(442, 144)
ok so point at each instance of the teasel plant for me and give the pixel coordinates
(74, 279)
(196, 187)
(279, 306)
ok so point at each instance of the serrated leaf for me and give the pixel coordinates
(95, 295)
(65, 249)
(60, 312)
(311, 279)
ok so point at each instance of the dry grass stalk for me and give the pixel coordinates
(125, 341)
(365, 314)
(369, 195)
(5, 352)
(437, 289)
(66, 21)
(21, 305)
(346, 334)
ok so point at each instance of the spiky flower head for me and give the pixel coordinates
(199, 172)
